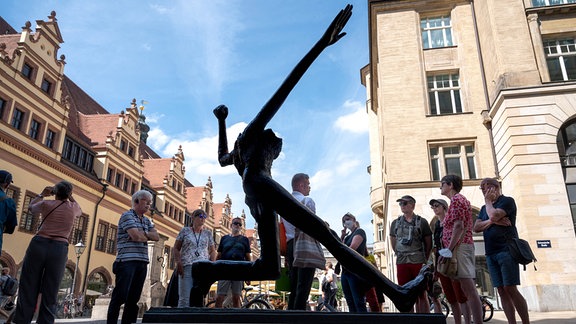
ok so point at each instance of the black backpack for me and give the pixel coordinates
(10, 286)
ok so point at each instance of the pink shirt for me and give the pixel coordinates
(59, 222)
(459, 209)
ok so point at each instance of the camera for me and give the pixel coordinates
(406, 241)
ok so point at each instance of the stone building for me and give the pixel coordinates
(50, 129)
(480, 89)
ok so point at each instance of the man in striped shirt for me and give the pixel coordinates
(130, 267)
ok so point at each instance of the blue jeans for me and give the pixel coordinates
(42, 271)
(354, 290)
(504, 271)
(184, 286)
(130, 277)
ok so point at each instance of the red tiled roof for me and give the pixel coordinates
(194, 196)
(156, 170)
(5, 28)
(217, 208)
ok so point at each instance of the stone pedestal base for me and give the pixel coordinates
(100, 308)
(210, 315)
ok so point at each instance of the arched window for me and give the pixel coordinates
(566, 142)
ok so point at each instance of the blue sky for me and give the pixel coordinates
(185, 57)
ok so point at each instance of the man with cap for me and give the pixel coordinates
(8, 218)
(411, 240)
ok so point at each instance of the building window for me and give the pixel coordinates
(34, 129)
(436, 32)
(380, 232)
(101, 236)
(79, 230)
(110, 175)
(2, 105)
(126, 183)
(566, 143)
(561, 59)
(444, 94)
(122, 145)
(17, 118)
(77, 154)
(118, 179)
(111, 241)
(544, 3)
(28, 222)
(27, 71)
(50, 138)
(131, 150)
(455, 158)
(46, 86)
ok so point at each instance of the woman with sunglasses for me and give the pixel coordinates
(457, 239)
(193, 243)
(451, 288)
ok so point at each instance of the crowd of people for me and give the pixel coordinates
(412, 238)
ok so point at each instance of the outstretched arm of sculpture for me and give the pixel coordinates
(332, 35)
(224, 157)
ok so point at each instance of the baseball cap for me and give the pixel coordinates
(440, 201)
(5, 177)
(407, 198)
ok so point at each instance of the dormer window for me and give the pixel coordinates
(46, 86)
(27, 71)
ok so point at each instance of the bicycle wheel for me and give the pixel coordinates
(487, 310)
(211, 304)
(445, 308)
(257, 304)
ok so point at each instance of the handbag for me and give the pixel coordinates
(282, 237)
(449, 268)
(521, 252)
(307, 252)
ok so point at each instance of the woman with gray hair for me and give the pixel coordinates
(46, 256)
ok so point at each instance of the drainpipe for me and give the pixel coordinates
(84, 286)
(485, 114)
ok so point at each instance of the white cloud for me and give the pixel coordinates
(160, 9)
(157, 138)
(356, 121)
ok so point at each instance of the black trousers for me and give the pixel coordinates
(42, 271)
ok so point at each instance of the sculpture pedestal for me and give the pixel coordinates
(210, 315)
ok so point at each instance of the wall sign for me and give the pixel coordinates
(543, 244)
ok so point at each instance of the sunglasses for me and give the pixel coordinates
(403, 203)
(435, 206)
(203, 216)
(236, 223)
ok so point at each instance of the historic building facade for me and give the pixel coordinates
(50, 129)
(480, 89)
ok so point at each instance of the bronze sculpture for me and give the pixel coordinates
(254, 151)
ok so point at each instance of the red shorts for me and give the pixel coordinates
(452, 290)
(407, 271)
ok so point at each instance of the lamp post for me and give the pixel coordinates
(79, 249)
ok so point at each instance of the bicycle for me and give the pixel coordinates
(487, 308)
(257, 302)
(445, 307)
(7, 308)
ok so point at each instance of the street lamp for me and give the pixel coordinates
(79, 249)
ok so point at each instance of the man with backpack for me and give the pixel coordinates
(8, 284)
(411, 240)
